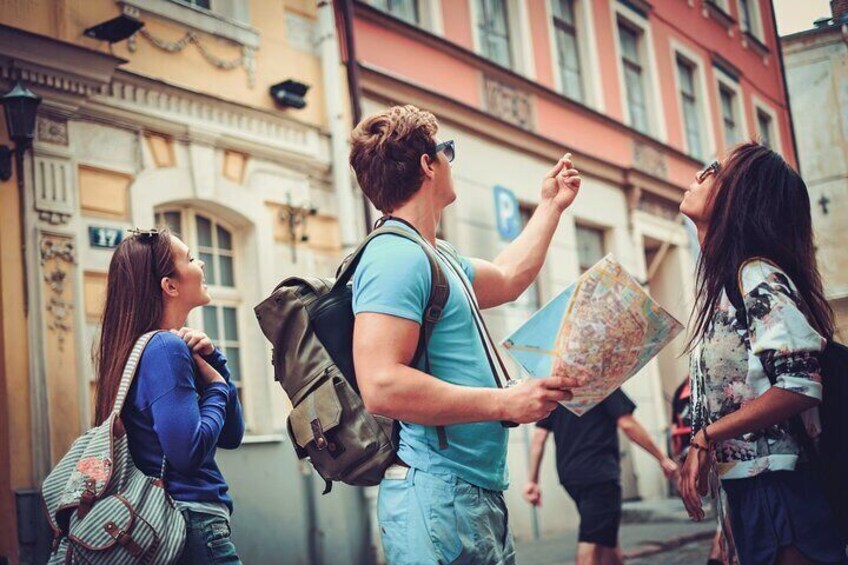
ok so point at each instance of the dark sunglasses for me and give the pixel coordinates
(449, 147)
(711, 169)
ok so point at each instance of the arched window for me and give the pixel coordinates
(213, 242)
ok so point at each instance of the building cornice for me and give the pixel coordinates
(391, 89)
(63, 73)
(503, 75)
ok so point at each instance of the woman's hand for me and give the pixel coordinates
(694, 477)
(197, 341)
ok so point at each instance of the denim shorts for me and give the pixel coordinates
(207, 540)
(430, 519)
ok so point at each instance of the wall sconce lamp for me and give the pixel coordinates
(295, 219)
(20, 106)
(116, 29)
(289, 94)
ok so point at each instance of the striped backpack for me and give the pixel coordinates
(101, 508)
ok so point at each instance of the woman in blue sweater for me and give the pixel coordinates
(181, 406)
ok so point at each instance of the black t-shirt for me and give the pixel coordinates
(587, 446)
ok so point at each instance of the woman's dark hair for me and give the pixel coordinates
(134, 306)
(761, 208)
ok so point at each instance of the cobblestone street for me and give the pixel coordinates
(655, 533)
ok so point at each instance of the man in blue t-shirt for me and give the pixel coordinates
(441, 502)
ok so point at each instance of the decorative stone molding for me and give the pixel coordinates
(57, 254)
(53, 130)
(181, 113)
(53, 190)
(508, 103)
(649, 160)
(657, 206)
(246, 60)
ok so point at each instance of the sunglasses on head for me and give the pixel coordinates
(711, 169)
(449, 148)
(145, 235)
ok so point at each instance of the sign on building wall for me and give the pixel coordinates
(105, 238)
(507, 213)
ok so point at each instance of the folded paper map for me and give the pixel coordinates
(601, 330)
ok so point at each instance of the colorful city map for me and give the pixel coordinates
(601, 330)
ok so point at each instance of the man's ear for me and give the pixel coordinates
(170, 287)
(427, 166)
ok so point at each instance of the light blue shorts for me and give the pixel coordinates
(430, 519)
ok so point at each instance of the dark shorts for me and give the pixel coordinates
(781, 509)
(599, 505)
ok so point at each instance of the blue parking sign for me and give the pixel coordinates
(507, 213)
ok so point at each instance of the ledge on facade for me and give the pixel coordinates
(46, 62)
(198, 18)
(256, 439)
(715, 11)
(726, 66)
(755, 42)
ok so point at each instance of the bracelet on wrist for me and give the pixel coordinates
(698, 446)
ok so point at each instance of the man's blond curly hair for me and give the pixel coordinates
(385, 153)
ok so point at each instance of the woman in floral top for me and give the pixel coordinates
(760, 323)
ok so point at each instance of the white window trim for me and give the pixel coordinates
(722, 79)
(756, 19)
(201, 19)
(758, 104)
(430, 17)
(222, 295)
(585, 22)
(656, 116)
(708, 139)
(518, 21)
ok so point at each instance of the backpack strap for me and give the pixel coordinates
(439, 294)
(130, 370)
(492, 355)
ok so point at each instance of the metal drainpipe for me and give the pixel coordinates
(330, 66)
(353, 85)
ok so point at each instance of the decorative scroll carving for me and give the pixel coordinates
(52, 130)
(659, 207)
(508, 103)
(649, 160)
(56, 255)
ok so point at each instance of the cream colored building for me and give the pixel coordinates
(174, 125)
(817, 75)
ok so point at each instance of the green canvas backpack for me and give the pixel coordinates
(309, 322)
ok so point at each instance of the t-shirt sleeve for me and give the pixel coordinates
(618, 404)
(546, 423)
(464, 262)
(393, 278)
(781, 336)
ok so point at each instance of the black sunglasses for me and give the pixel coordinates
(711, 169)
(449, 147)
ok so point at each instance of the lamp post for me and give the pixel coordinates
(19, 106)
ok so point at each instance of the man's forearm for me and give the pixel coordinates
(413, 396)
(639, 435)
(537, 451)
(522, 259)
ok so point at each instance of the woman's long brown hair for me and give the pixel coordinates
(761, 208)
(134, 306)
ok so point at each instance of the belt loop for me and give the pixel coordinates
(411, 476)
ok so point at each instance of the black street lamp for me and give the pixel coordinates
(20, 106)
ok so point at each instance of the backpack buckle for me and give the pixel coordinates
(433, 314)
(318, 433)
